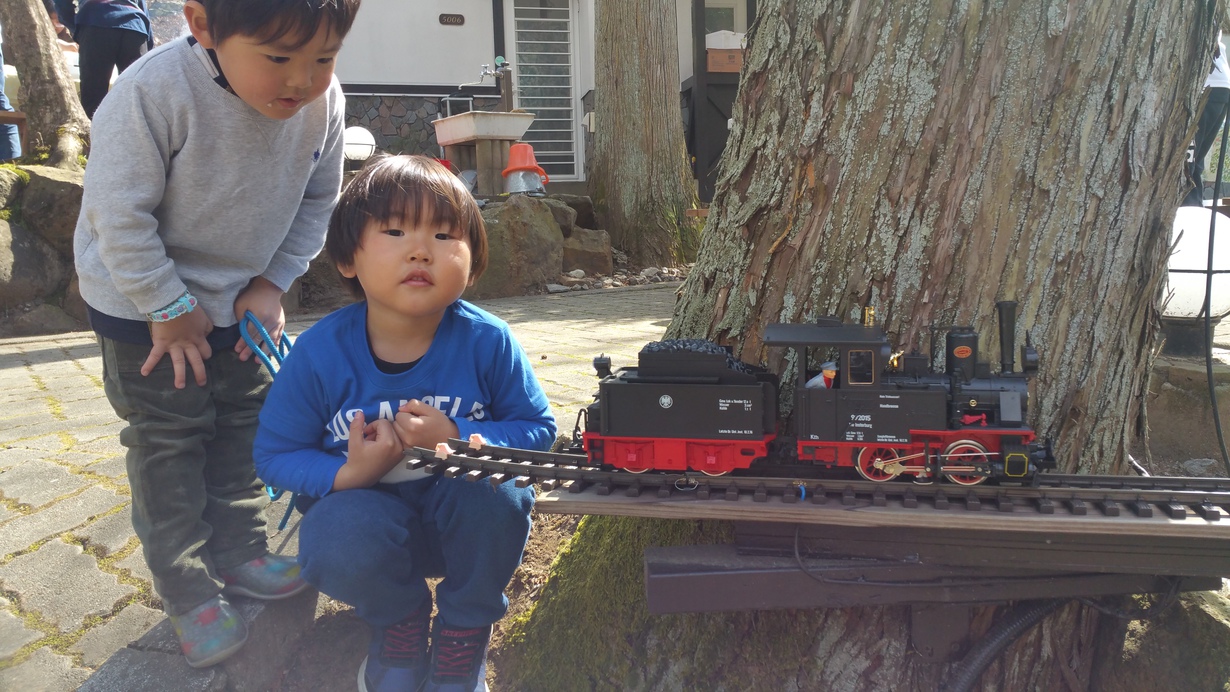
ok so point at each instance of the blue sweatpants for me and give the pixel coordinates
(374, 548)
(10, 142)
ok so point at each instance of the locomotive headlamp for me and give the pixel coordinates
(602, 365)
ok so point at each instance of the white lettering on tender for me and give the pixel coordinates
(727, 404)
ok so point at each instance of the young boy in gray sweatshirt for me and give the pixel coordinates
(216, 161)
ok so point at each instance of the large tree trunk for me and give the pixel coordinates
(641, 183)
(48, 96)
(926, 159)
(933, 160)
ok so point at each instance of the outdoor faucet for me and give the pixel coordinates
(502, 67)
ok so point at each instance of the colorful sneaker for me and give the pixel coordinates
(458, 658)
(210, 632)
(397, 656)
(269, 577)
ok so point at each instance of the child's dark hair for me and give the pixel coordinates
(404, 187)
(271, 20)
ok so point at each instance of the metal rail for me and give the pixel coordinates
(1071, 495)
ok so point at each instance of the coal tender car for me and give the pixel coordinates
(687, 406)
(690, 406)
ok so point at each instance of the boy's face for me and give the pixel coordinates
(270, 77)
(411, 269)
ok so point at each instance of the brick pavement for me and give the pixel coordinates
(73, 585)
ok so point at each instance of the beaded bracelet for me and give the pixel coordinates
(180, 306)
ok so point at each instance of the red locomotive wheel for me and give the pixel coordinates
(865, 461)
(965, 451)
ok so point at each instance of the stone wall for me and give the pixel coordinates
(402, 124)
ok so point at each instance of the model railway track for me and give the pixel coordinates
(1202, 500)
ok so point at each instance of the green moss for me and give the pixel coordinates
(589, 629)
(25, 177)
(13, 213)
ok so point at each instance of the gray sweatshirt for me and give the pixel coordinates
(188, 187)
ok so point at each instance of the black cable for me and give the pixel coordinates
(1164, 601)
(1001, 635)
(1208, 295)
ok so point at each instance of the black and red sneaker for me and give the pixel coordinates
(458, 658)
(397, 657)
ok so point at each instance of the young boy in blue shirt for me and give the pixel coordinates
(216, 161)
(411, 365)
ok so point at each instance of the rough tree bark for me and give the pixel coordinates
(927, 159)
(640, 182)
(48, 97)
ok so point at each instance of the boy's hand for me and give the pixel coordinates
(265, 301)
(420, 425)
(372, 451)
(182, 338)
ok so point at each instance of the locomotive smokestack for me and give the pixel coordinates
(1007, 334)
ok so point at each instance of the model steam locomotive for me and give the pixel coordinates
(690, 406)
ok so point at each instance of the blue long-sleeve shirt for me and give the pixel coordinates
(474, 371)
(111, 14)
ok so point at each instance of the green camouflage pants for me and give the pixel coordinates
(196, 501)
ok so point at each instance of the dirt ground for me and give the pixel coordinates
(328, 656)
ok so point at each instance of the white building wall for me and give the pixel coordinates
(396, 42)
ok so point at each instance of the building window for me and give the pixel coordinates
(719, 19)
(725, 15)
(546, 76)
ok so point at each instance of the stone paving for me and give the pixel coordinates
(74, 588)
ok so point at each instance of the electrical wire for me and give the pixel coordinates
(1001, 635)
(1208, 296)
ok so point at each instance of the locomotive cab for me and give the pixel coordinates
(864, 407)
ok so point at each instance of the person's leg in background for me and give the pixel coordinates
(1210, 125)
(96, 59)
(103, 50)
(10, 142)
(132, 45)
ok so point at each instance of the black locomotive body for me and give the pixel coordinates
(882, 414)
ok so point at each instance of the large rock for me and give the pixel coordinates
(29, 267)
(11, 183)
(564, 215)
(588, 250)
(50, 205)
(42, 319)
(584, 208)
(74, 304)
(321, 288)
(525, 249)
